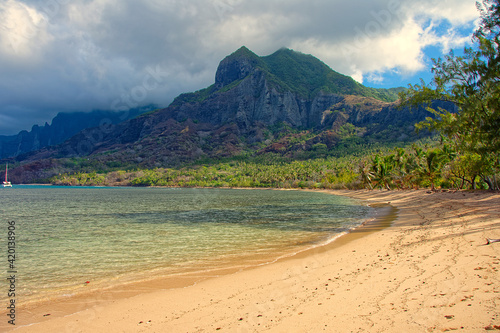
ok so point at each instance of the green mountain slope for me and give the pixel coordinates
(288, 70)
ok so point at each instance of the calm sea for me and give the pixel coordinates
(66, 236)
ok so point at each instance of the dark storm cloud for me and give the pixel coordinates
(62, 55)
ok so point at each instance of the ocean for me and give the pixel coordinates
(70, 238)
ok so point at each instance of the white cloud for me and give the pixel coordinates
(457, 12)
(83, 54)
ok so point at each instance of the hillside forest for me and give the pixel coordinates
(463, 153)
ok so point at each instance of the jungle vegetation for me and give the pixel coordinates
(466, 154)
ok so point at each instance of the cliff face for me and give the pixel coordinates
(251, 99)
(254, 100)
(249, 89)
(236, 67)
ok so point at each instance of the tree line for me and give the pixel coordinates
(403, 168)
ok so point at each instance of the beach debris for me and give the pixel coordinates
(46, 315)
(492, 327)
(449, 317)
(490, 240)
(87, 282)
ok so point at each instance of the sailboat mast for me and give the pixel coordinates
(6, 183)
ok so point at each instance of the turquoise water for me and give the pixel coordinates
(66, 236)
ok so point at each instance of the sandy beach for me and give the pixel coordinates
(430, 271)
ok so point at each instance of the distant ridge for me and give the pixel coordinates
(63, 126)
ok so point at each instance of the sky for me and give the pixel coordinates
(81, 55)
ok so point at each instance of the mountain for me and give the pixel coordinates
(287, 103)
(286, 86)
(62, 127)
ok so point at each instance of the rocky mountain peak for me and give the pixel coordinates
(236, 66)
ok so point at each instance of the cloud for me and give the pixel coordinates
(394, 39)
(80, 55)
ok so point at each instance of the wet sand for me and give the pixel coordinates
(428, 272)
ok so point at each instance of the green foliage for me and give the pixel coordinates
(416, 168)
(347, 130)
(472, 83)
(306, 76)
(400, 168)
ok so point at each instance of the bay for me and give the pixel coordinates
(69, 236)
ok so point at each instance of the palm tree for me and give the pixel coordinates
(366, 175)
(381, 169)
(434, 159)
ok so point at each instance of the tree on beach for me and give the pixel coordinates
(472, 83)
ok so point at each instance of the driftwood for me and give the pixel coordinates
(489, 241)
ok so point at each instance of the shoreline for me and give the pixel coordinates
(286, 294)
(60, 305)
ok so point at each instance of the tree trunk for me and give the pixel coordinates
(488, 181)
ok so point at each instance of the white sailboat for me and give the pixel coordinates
(6, 183)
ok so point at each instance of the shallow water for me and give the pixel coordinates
(66, 236)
